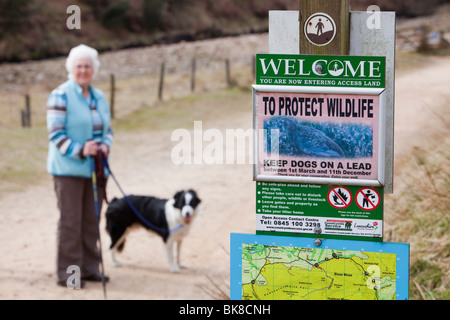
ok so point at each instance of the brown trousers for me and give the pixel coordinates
(77, 226)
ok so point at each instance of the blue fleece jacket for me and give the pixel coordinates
(71, 121)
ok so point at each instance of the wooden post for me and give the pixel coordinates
(253, 67)
(193, 75)
(26, 114)
(113, 89)
(324, 27)
(227, 71)
(23, 120)
(161, 81)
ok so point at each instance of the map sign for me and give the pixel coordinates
(285, 268)
(333, 212)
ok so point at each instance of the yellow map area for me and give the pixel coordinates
(292, 273)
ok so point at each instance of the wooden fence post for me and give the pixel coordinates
(193, 67)
(227, 71)
(324, 27)
(161, 81)
(113, 89)
(23, 118)
(26, 114)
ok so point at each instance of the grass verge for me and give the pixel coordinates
(23, 157)
(420, 217)
(182, 112)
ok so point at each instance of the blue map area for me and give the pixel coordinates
(319, 140)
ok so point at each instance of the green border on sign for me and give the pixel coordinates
(290, 202)
(321, 70)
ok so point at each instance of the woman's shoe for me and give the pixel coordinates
(95, 278)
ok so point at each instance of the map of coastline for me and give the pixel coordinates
(293, 273)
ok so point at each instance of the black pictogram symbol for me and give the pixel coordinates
(320, 29)
(339, 197)
(367, 198)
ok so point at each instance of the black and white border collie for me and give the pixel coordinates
(161, 216)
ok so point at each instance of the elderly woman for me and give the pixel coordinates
(78, 123)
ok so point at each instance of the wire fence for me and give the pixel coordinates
(131, 86)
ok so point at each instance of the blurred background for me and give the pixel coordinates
(36, 29)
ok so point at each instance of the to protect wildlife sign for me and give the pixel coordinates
(319, 137)
(333, 212)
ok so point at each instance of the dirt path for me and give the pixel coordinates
(27, 271)
(227, 191)
(28, 229)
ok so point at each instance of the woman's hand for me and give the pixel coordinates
(105, 149)
(90, 148)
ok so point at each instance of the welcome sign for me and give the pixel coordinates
(320, 70)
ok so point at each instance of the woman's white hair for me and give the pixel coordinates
(80, 52)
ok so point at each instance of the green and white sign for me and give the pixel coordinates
(322, 211)
(321, 70)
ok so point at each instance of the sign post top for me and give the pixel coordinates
(324, 27)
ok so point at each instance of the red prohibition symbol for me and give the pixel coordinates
(367, 199)
(339, 197)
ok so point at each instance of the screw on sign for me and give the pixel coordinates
(367, 198)
(339, 197)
